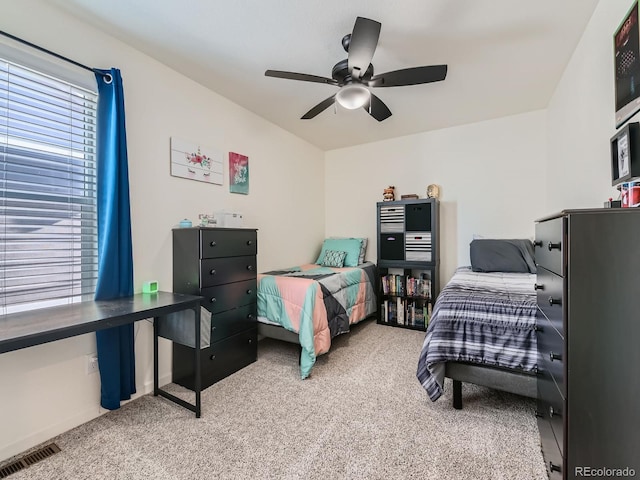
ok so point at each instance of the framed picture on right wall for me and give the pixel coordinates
(626, 45)
(625, 154)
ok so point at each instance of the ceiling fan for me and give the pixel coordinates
(354, 74)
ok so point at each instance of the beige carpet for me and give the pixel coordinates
(362, 414)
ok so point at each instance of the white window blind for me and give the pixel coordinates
(48, 219)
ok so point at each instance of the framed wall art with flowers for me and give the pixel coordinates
(238, 173)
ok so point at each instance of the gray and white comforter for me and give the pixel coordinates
(482, 318)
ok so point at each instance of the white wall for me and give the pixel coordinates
(581, 117)
(491, 176)
(45, 390)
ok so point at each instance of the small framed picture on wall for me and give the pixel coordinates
(625, 150)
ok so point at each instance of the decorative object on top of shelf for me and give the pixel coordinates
(389, 194)
(196, 162)
(185, 223)
(630, 194)
(611, 203)
(208, 220)
(433, 191)
(625, 154)
(409, 196)
(626, 45)
(227, 219)
(238, 173)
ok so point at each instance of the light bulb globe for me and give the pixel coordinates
(353, 96)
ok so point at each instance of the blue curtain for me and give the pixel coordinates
(115, 257)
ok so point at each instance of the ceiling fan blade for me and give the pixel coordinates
(300, 76)
(409, 76)
(377, 109)
(319, 108)
(364, 40)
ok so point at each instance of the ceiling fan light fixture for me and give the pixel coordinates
(353, 96)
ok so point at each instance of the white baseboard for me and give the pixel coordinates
(51, 431)
(25, 443)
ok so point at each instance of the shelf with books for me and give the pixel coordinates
(408, 261)
(405, 299)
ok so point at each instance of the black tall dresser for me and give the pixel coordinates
(588, 334)
(220, 265)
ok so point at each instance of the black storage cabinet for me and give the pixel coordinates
(588, 339)
(220, 265)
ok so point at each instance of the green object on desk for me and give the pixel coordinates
(150, 287)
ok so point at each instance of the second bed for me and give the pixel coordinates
(482, 331)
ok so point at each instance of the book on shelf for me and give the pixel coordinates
(400, 311)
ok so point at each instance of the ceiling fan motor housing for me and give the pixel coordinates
(341, 74)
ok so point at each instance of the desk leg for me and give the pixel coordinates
(155, 356)
(197, 408)
(197, 384)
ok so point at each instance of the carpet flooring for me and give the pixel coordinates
(362, 414)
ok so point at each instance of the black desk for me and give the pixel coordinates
(35, 327)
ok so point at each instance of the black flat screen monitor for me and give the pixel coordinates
(626, 44)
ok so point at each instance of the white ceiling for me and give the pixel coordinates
(504, 56)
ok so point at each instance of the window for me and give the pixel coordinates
(48, 218)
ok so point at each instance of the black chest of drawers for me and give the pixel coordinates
(588, 335)
(220, 265)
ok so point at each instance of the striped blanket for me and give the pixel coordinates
(481, 318)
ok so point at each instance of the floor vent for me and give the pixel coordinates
(29, 460)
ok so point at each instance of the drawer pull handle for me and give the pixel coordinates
(553, 246)
(539, 414)
(537, 243)
(554, 301)
(249, 292)
(212, 357)
(213, 300)
(555, 356)
(538, 286)
(249, 267)
(212, 272)
(213, 244)
(554, 468)
(553, 412)
(250, 341)
(250, 317)
(249, 242)
(538, 328)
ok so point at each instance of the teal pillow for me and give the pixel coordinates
(363, 247)
(349, 245)
(333, 258)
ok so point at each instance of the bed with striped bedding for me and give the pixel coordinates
(486, 319)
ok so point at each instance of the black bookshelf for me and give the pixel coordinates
(408, 262)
